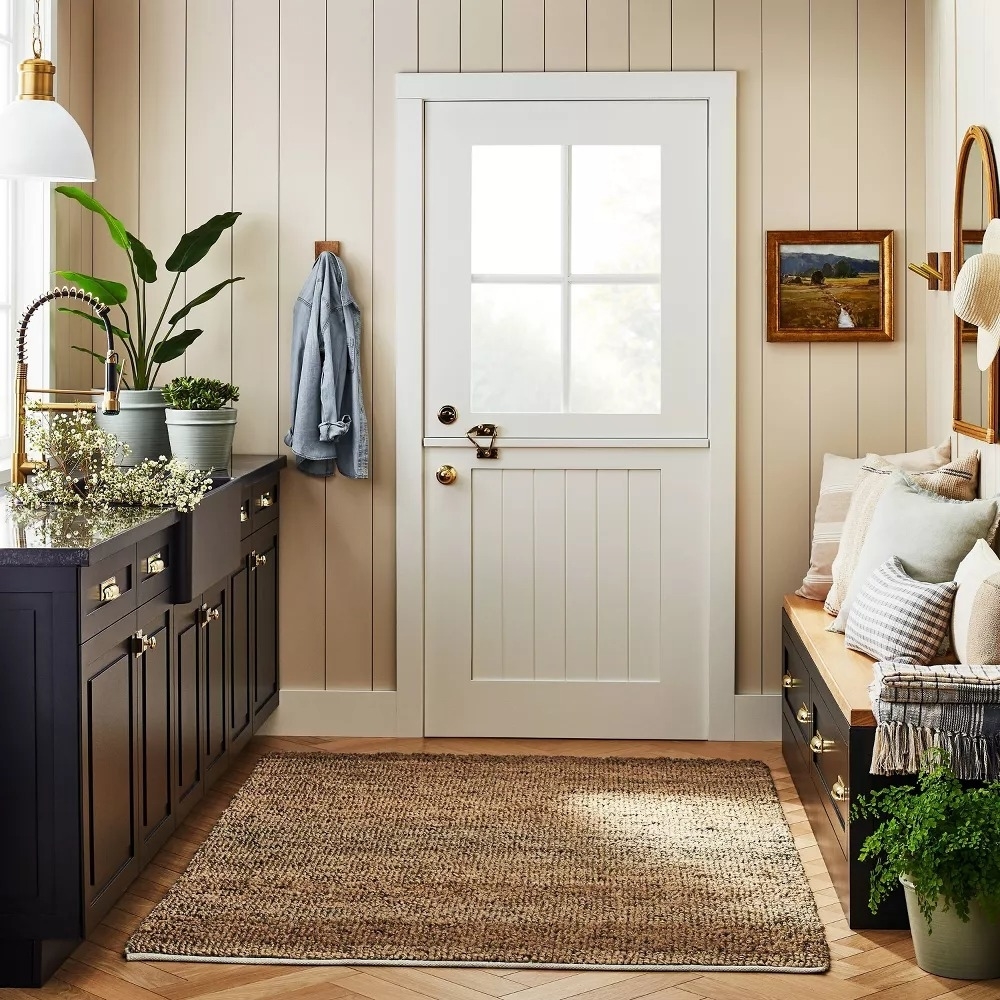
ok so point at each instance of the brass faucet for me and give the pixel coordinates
(20, 465)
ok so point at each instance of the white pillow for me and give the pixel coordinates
(975, 627)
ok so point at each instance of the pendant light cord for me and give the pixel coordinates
(36, 31)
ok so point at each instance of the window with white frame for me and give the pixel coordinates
(25, 238)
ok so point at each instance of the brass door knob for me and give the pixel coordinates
(803, 715)
(446, 475)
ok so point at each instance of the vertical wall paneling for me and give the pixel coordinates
(395, 49)
(163, 173)
(349, 114)
(787, 512)
(693, 34)
(482, 36)
(301, 208)
(738, 45)
(833, 204)
(117, 129)
(255, 237)
(565, 34)
(882, 204)
(649, 34)
(607, 34)
(440, 26)
(523, 35)
(210, 192)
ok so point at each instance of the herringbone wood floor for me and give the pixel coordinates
(875, 963)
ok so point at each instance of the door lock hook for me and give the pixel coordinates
(481, 431)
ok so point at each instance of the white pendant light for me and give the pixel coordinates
(38, 137)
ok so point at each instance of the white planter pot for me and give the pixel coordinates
(140, 424)
(202, 439)
(951, 948)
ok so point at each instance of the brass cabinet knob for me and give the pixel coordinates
(144, 642)
(839, 792)
(446, 475)
(788, 682)
(110, 591)
(265, 500)
(819, 745)
(259, 560)
(803, 715)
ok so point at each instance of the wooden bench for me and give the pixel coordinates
(827, 735)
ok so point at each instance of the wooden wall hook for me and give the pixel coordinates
(330, 246)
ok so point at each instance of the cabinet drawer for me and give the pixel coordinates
(107, 592)
(795, 685)
(831, 763)
(154, 565)
(264, 502)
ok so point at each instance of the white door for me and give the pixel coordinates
(568, 293)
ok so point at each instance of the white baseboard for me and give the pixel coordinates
(333, 713)
(758, 717)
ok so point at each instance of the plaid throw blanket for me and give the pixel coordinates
(952, 706)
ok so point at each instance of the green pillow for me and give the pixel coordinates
(929, 534)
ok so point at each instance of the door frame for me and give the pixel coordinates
(413, 92)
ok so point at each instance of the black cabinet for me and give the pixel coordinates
(124, 701)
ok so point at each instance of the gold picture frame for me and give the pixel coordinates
(820, 288)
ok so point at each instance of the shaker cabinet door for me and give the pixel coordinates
(215, 615)
(188, 708)
(264, 570)
(241, 642)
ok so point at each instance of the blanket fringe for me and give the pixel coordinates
(899, 748)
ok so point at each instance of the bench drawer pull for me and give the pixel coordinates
(803, 715)
(819, 745)
(788, 682)
(839, 792)
(110, 591)
(155, 563)
(265, 500)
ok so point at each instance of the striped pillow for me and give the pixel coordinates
(898, 618)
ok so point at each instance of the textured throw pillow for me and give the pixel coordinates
(958, 480)
(929, 534)
(840, 475)
(975, 629)
(898, 618)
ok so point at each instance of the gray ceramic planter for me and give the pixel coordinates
(954, 949)
(202, 439)
(140, 424)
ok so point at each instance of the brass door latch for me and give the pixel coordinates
(481, 431)
(210, 615)
(143, 642)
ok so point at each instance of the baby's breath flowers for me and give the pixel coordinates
(83, 470)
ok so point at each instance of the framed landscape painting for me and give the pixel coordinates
(831, 284)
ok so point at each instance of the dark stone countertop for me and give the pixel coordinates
(60, 536)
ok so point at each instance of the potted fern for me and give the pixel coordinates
(942, 841)
(148, 339)
(200, 424)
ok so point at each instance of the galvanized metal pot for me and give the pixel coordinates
(954, 949)
(140, 424)
(202, 438)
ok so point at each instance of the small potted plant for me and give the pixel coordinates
(942, 841)
(200, 424)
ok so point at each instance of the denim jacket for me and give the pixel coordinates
(329, 428)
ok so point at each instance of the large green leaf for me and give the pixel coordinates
(174, 347)
(145, 265)
(93, 319)
(204, 297)
(111, 293)
(117, 230)
(194, 245)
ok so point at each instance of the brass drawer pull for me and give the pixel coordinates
(144, 642)
(819, 745)
(803, 715)
(839, 792)
(788, 682)
(265, 500)
(244, 513)
(210, 615)
(110, 591)
(155, 563)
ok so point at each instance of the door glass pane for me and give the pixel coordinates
(516, 349)
(615, 210)
(615, 365)
(516, 209)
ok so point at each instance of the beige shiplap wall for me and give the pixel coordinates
(285, 111)
(963, 44)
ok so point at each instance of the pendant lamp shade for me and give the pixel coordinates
(41, 139)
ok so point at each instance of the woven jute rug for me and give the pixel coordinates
(551, 862)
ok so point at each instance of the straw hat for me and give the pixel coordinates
(977, 295)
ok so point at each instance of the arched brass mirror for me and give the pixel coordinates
(977, 201)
